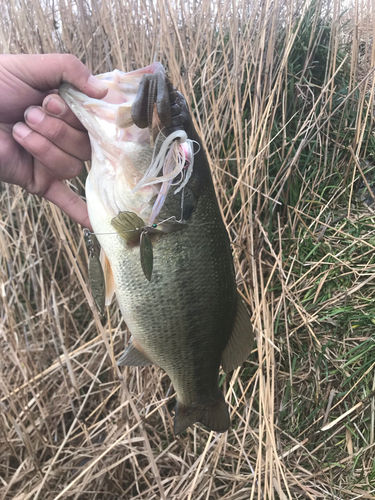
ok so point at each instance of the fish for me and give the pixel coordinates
(165, 248)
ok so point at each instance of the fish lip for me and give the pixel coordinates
(152, 68)
(75, 100)
(65, 88)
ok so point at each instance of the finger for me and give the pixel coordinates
(66, 199)
(48, 71)
(55, 106)
(68, 139)
(61, 165)
(11, 155)
(7, 152)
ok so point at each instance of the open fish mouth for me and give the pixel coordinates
(137, 136)
(111, 115)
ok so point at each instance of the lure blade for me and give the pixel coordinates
(97, 282)
(147, 255)
(128, 225)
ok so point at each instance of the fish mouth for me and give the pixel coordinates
(112, 116)
(138, 149)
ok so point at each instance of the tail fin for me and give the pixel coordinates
(213, 415)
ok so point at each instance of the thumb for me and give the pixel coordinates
(47, 71)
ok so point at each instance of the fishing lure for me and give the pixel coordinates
(133, 230)
(96, 274)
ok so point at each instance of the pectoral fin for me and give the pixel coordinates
(133, 357)
(240, 342)
(110, 287)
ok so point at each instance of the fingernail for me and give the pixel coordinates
(21, 130)
(96, 84)
(54, 106)
(34, 115)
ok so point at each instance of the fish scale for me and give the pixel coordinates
(198, 293)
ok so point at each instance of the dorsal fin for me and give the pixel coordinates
(240, 342)
(110, 287)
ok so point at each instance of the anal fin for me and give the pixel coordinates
(213, 415)
(133, 356)
(240, 342)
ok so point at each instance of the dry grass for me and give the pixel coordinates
(282, 97)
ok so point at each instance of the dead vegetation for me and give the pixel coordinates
(282, 94)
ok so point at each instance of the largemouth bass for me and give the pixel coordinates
(153, 207)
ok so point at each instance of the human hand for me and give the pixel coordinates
(51, 146)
